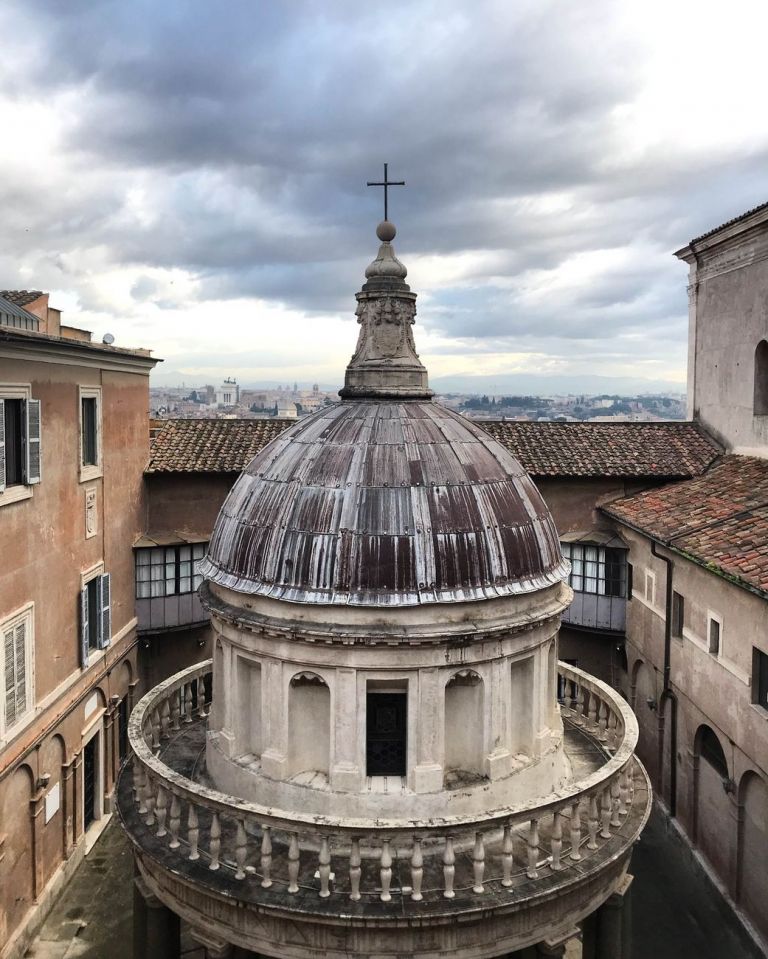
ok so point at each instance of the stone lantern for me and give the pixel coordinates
(392, 761)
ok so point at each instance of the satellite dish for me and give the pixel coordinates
(108, 339)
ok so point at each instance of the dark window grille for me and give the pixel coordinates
(14, 442)
(759, 678)
(714, 637)
(92, 586)
(678, 614)
(168, 570)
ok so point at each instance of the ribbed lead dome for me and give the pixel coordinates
(372, 503)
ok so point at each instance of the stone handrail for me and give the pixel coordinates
(519, 843)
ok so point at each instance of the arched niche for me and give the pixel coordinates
(464, 728)
(521, 696)
(761, 379)
(309, 728)
(753, 848)
(714, 832)
(247, 720)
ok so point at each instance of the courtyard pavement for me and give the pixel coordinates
(677, 911)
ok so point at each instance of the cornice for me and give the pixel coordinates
(74, 353)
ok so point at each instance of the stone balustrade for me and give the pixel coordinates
(366, 860)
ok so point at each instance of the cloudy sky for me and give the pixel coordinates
(190, 174)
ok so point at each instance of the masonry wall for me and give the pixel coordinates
(43, 539)
(728, 318)
(724, 812)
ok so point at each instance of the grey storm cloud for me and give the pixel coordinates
(256, 125)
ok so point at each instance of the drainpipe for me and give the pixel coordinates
(667, 692)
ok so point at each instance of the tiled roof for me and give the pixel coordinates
(210, 446)
(741, 216)
(21, 297)
(719, 519)
(662, 450)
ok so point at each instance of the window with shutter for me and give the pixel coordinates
(16, 668)
(84, 626)
(33, 442)
(106, 610)
(90, 432)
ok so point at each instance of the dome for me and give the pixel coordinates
(386, 498)
(377, 503)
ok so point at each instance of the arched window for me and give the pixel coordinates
(711, 750)
(761, 379)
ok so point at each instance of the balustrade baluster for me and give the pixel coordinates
(293, 863)
(214, 846)
(155, 720)
(575, 853)
(175, 724)
(605, 813)
(174, 822)
(136, 779)
(165, 720)
(142, 786)
(615, 801)
(354, 870)
(149, 801)
(266, 857)
(324, 868)
(533, 850)
(630, 783)
(161, 811)
(386, 870)
(580, 717)
(556, 841)
(449, 868)
(593, 821)
(193, 832)
(612, 741)
(602, 722)
(417, 870)
(592, 712)
(624, 790)
(240, 850)
(187, 702)
(507, 856)
(478, 863)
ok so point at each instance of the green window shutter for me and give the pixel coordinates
(105, 636)
(33, 441)
(9, 660)
(84, 627)
(2, 445)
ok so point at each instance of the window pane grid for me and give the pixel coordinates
(168, 571)
(597, 569)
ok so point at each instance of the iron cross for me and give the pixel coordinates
(386, 183)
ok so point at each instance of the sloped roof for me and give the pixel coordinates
(647, 450)
(21, 297)
(719, 519)
(210, 446)
(663, 450)
(735, 219)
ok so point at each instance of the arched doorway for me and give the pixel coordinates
(17, 866)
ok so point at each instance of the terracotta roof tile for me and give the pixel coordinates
(210, 446)
(21, 297)
(720, 519)
(662, 450)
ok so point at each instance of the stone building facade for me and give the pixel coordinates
(76, 442)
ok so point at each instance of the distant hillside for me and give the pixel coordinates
(536, 384)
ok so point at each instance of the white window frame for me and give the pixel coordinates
(13, 494)
(26, 615)
(714, 618)
(90, 471)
